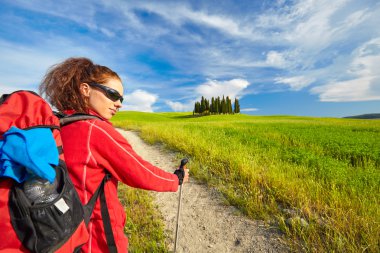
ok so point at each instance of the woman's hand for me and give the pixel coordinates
(182, 173)
(186, 177)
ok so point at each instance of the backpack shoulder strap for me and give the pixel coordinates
(67, 119)
(89, 208)
(107, 222)
(3, 98)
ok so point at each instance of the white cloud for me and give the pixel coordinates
(107, 32)
(295, 83)
(356, 18)
(366, 59)
(179, 14)
(249, 110)
(179, 107)
(140, 100)
(310, 25)
(365, 83)
(83, 13)
(275, 59)
(348, 91)
(213, 88)
(315, 30)
(18, 68)
(24, 66)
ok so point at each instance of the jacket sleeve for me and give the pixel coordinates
(112, 152)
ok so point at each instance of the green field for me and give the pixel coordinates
(317, 179)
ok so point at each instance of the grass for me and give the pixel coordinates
(325, 170)
(144, 226)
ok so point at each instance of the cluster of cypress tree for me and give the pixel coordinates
(217, 106)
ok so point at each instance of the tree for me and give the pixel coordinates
(224, 105)
(228, 105)
(217, 101)
(216, 106)
(237, 106)
(219, 106)
(203, 105)
(212, 107)
(197, 107)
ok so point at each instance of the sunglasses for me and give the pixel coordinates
(112, 94)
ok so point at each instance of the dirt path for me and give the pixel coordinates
(206, 224)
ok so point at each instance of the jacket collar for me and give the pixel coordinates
(90, 112)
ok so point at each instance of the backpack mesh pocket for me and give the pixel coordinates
(46, 227)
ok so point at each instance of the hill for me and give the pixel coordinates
(365, 116)
(315, 178)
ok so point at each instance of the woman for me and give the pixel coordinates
(93, 147)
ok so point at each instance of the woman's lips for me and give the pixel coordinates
(113, 111)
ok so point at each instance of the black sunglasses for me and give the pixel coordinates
(112, 94)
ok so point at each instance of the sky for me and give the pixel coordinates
(309, 57)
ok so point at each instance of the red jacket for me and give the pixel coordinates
(93, 147)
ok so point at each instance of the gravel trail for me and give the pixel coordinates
(207, 224)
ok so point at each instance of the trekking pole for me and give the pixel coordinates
(182, 168)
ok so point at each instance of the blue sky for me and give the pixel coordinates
(312, 58)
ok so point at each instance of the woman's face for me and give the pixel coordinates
(100, 102)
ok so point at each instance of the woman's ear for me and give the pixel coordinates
(85, 89)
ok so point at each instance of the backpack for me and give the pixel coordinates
(51, 222)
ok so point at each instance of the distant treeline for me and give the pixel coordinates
(216, 106)
(365, 116)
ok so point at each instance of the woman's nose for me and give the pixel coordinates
(118, 104)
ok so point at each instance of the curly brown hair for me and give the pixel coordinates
(61, 84)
